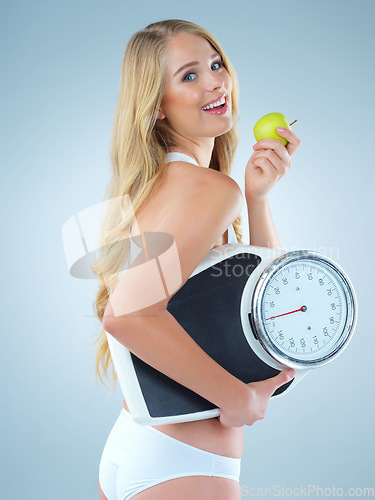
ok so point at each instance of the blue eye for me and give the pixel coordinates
(220, 64)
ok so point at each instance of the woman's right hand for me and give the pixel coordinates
(253, 404)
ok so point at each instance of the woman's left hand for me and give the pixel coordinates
(269, 163)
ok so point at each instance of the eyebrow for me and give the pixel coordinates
(193, 63)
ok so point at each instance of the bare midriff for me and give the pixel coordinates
(209, 435)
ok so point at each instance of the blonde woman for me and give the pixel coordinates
(172, 154)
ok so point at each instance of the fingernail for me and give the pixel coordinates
(291, 372)
(280, 129)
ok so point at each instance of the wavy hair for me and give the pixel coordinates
(138, 148)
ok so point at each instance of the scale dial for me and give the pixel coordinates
(304, 309)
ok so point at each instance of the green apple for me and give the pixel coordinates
(265, 127)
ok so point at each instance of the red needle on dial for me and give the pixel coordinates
(303, 309)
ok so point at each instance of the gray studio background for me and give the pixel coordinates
(312, 61)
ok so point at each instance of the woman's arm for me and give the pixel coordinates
(262, 231)
(267, 165)
(161, 342)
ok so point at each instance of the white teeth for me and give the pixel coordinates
(215, 104)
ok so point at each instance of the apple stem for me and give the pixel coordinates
(290, 124)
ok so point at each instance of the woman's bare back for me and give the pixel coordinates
(208, 434)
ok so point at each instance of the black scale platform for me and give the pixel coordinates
(208, 308)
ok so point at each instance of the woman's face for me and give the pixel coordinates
(189, 87)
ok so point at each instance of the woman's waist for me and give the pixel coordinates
(208, 434)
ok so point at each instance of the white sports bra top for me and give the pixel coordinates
(176, 156)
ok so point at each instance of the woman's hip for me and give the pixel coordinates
(129, 441)
(136, 457)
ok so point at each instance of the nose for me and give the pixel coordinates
(214, 81)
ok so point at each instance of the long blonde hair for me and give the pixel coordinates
(138, 150)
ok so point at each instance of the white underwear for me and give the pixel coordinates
(136, 457)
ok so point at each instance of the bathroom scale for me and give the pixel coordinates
(254, 310)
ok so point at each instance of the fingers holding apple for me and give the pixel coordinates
(278, 153)
(270, 154)
(294, 142)
(278, 159)
(263, 170)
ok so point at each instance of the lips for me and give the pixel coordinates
(215, 100)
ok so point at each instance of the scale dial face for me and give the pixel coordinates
(304, 309)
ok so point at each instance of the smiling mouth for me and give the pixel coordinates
(222, 100)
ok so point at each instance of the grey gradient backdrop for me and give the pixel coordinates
(312, 61)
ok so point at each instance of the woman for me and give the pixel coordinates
(173, 143)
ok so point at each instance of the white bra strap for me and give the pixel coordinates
(176, 156)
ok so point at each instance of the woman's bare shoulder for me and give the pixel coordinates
(202, 205)
(183, 175)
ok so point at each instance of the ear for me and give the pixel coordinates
(161, 115)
